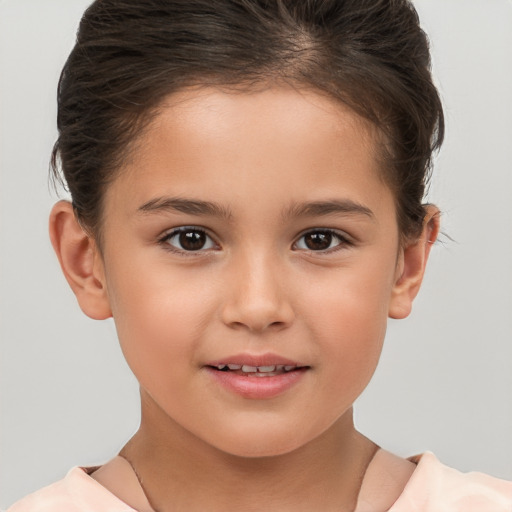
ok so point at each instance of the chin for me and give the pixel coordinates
(257, 450)
(258, 441)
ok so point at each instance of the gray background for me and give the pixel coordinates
(445, 378)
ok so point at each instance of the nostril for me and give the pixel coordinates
(257, 313)
(256, 326)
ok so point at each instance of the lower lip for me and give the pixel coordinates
(257, 388)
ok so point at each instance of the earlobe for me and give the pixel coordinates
(412, 264)
(80, 261)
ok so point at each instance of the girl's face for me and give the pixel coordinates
(251, 230)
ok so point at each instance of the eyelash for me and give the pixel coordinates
(343, 240)
(165, 240)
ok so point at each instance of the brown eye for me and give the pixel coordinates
(189, 239)
(320, 240)
(192, 240)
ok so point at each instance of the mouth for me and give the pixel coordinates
(257, 377)
(257, 371)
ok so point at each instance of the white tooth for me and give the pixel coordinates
(288, 368)
(266, 368)
(221, 366)
(263, 375)
(249, 369)
(234, 366)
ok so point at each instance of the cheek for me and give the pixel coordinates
(353, 299)
(348, 318)
(159, 322)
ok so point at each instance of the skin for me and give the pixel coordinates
(255, 287)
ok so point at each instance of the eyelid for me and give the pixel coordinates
(345, 240)
(170, 233)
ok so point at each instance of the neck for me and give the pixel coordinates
(179, 471)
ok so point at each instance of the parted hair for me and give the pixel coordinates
(371, 55)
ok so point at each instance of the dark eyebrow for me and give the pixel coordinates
(184, 205)
(330, 207)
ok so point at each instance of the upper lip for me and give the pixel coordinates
(267, 359)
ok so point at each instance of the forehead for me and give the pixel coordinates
(231, 145)
(292, 113)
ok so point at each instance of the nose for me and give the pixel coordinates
(257, 297)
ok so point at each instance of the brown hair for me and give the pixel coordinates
(130, 54)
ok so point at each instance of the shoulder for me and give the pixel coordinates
(434, 487)
(77, 492)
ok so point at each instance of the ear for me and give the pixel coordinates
(80, 261)
(411, 266)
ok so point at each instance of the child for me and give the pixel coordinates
(246, 182)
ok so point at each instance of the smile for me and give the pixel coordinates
(257, 371)
(256, 377)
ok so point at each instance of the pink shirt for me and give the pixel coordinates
(433, 487)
